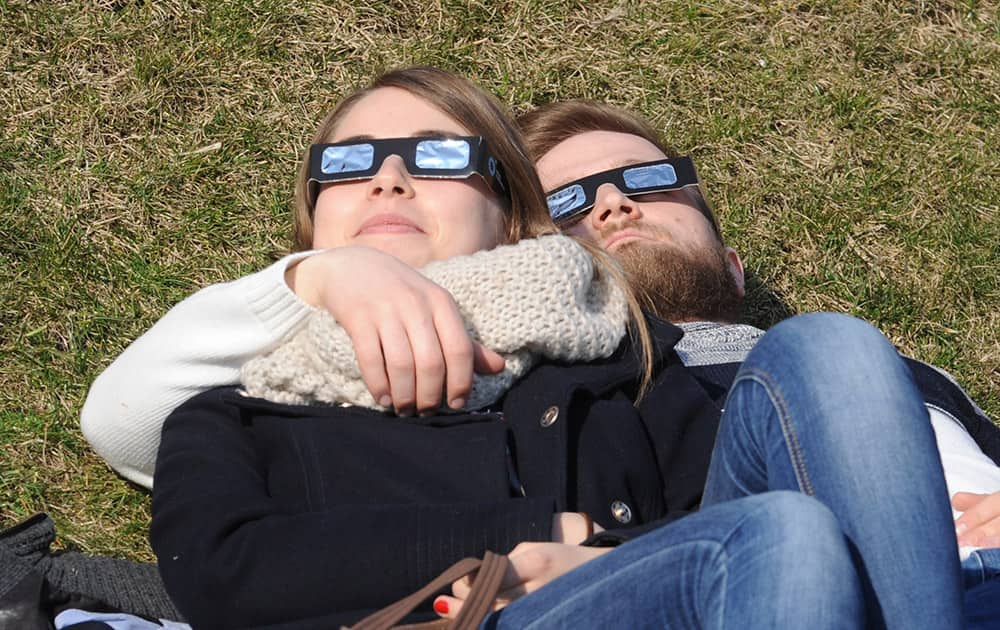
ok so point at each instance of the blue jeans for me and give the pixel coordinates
(824, 405)
(748, 563)
(981, 571)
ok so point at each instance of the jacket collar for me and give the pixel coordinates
(621, 368)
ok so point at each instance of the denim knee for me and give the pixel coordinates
(827, 367)
(826, 335)
(793, 521)
(803, 546)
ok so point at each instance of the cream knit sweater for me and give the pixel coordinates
(536, 298)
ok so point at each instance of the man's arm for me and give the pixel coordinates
(199, 344)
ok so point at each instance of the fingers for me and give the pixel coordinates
(408, 334)
(457, 349)
(962, 501)
(368, 350)
(462, 587)
(511, 586)
(531, 566)
(449, 607)
(979, 525)
(399, 365)
(438, 369)
(428, 362)
(412, 372)
(510, 589)
(486, 361)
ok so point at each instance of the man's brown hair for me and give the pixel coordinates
(548, 125)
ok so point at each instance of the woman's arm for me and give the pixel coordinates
(231, 555)
(199, 344)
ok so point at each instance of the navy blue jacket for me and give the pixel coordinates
(267, 514)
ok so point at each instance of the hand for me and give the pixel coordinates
(979, 525)
(407, 332)
(573, 527)
(532, 566)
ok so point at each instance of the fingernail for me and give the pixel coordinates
(385, 401)
(960, 528)
(404, 413)
(441, 606)
(458, 403)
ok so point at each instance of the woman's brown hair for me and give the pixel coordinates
(474, 109)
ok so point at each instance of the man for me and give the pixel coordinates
(574, 139)
(610, 179)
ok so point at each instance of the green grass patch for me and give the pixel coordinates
(149, 149)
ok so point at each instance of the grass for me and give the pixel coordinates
(149, 148)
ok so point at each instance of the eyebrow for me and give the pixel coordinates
(613, 166)
(435, 132)
(423, 133)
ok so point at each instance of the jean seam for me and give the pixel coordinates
(978, 572)
(792, 444)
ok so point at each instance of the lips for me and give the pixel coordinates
(388, 223)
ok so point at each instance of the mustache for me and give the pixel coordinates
(651, 231)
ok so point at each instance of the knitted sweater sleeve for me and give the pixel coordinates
(199, 344)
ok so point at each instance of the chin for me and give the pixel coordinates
(411, 258)
(407, 250)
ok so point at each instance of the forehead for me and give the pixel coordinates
(592, 152)
(395, 113)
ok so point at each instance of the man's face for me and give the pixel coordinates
(664, 241)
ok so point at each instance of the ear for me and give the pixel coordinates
(736, 269)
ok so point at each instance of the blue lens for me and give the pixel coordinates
(649, 176)
(566, 201)
(348, 159)
(442, 154)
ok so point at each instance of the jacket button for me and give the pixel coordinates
(622, 512)
(549, 417)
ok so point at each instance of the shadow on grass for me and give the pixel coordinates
(762, 307)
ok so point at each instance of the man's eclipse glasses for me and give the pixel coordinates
(575, 198)
(426, 157)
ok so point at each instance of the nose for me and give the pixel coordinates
(611, 205)
(392, 178)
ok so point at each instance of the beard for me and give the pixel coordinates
(679, 285)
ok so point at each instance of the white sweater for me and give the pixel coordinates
(199, 344)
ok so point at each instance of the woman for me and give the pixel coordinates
(268, 513)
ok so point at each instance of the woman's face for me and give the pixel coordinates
(415, 220)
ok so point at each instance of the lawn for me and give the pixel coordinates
(850, 148)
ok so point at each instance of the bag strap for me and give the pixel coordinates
(484, 591)
(491, 568)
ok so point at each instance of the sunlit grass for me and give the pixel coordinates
(148, 149)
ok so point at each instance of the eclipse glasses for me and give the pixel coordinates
(575, 198)
(432, 157)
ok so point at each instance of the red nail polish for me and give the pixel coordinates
(441, 606)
